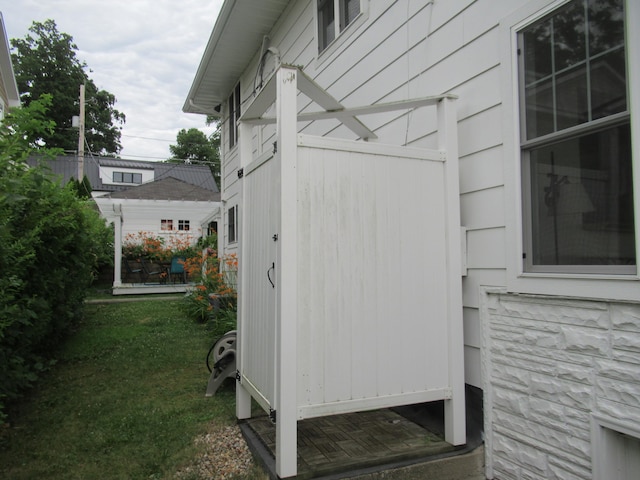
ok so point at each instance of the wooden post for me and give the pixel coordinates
(81, 136)
(117, 245)
(243, 398)
(455, 419)
(286, 274)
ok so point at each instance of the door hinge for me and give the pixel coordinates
(272, 415)
(240, 172)
(238, 376)
(275, 237)
(275, 147)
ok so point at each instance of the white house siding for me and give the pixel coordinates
(145, 215)
(557, 371)
(549, 365)
(230, 192)
(444, 47)
(452, 46)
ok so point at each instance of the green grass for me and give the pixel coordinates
(125, 400)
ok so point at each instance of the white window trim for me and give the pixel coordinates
(236, 93)
(617, 287)
(341, 37)
(599, 444)
(233, 208)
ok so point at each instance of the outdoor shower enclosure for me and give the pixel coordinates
(350, 267)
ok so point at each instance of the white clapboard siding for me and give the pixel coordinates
(402, 50)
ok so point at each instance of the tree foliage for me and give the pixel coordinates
(51, 242)
(45, 62)
(193, 146)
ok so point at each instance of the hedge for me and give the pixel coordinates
(51, 242)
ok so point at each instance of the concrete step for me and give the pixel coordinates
(468, 466)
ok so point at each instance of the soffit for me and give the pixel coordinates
(235, 39)
(6, 68)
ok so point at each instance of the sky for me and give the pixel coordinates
(144, 52)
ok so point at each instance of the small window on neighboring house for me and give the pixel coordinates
(233, 225)
(166, 224)
(127, 177)
(234, 115)
(333, 17)
(576, 141)
(183, 225)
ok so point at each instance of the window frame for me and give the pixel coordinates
(127, 177)
(234, 109)
(340, 28)
(559, 134)
(232, 224)
(184, 225)
(576, 283)
(166, 224)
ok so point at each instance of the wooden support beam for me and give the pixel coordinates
(243, 397)
(286, 275)
(454, 408)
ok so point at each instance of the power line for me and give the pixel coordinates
(147, 138)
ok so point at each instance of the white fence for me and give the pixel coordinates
(350, 287)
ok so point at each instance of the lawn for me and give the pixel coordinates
(125, 400)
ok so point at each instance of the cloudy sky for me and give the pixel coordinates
(145, 52)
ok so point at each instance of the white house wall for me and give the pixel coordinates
(582, 377)
(560, 372)
(146, 215)
(453, 47)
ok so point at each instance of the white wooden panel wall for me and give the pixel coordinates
(453, 46)
(258, 296)
(371, 271)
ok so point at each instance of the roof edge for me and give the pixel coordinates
(6, 68)
(212, 44)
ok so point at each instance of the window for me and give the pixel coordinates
(127, 177)
(183, 225)
(328, 26)
(234, 115)
(576, 141)
(233, 225)
(166, 224)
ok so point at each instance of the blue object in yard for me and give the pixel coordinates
(177, 268)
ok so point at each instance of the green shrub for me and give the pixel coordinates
(50, 247)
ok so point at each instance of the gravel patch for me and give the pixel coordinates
(225, 456)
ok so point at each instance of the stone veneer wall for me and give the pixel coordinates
(550, 366)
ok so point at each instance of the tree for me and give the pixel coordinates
(45, 62)
(193, 146)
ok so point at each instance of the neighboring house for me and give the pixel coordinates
(9, 95)
(164, 199)
(549, 179)
(164, 207)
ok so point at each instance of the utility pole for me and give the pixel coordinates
(81, 136)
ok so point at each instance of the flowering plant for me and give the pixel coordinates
(215, 284)
(157, 248)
